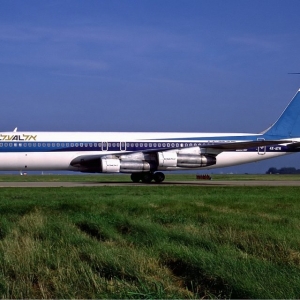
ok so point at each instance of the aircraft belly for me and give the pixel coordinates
(232, 158)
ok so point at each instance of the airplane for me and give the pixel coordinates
(145, 155)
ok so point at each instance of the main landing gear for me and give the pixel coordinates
(147, 177)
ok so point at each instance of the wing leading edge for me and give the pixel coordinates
(92, 163)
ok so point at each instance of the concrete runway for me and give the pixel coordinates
(166, 183)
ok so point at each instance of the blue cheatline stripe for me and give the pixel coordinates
(114, 146)
(211, 138)
(89, 146)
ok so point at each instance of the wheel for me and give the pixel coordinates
(135, 177)
(159, 177)
(147, 177)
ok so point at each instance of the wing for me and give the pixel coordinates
(93, 163)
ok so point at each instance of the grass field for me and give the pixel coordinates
(126, 177)
(150, 242)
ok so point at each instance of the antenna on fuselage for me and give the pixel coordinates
(15, 130)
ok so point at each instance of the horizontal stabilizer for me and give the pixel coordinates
(245, 145)
(294, 145)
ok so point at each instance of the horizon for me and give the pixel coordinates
(170, 66)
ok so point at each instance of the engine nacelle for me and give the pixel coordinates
(134, 166)
(172, 159)
(167, 159)
(195, 161)
(110, 165)
(114, 165)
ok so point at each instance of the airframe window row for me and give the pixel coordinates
(105, 144)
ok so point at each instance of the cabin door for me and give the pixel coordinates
(122, 146)
(261, 150)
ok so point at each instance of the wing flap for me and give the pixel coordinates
(93, 161)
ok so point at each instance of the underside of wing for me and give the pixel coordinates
(151, 160)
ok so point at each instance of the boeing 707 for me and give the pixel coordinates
(145, 155)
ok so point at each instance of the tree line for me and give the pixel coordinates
(288, 170)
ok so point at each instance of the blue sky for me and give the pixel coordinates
(139, 65)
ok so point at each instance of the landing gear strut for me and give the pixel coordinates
(147, 177)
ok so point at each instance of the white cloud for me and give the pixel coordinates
(258, 43)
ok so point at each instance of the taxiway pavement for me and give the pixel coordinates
(166, 183)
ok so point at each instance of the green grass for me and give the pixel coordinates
(65, 178)
(126, 177)
(150, 242)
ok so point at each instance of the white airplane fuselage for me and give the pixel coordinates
(27, 151)
(146, 154)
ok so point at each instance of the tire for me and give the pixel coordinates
(135, 177)
(159, 177)
(147, 177)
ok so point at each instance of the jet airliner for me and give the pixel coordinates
(145, 155)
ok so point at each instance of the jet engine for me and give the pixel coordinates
(184, 160)
(115, 165)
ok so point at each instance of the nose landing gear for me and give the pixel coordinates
(147, 177)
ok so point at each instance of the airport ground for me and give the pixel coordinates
(188, 239)
(171, 179)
